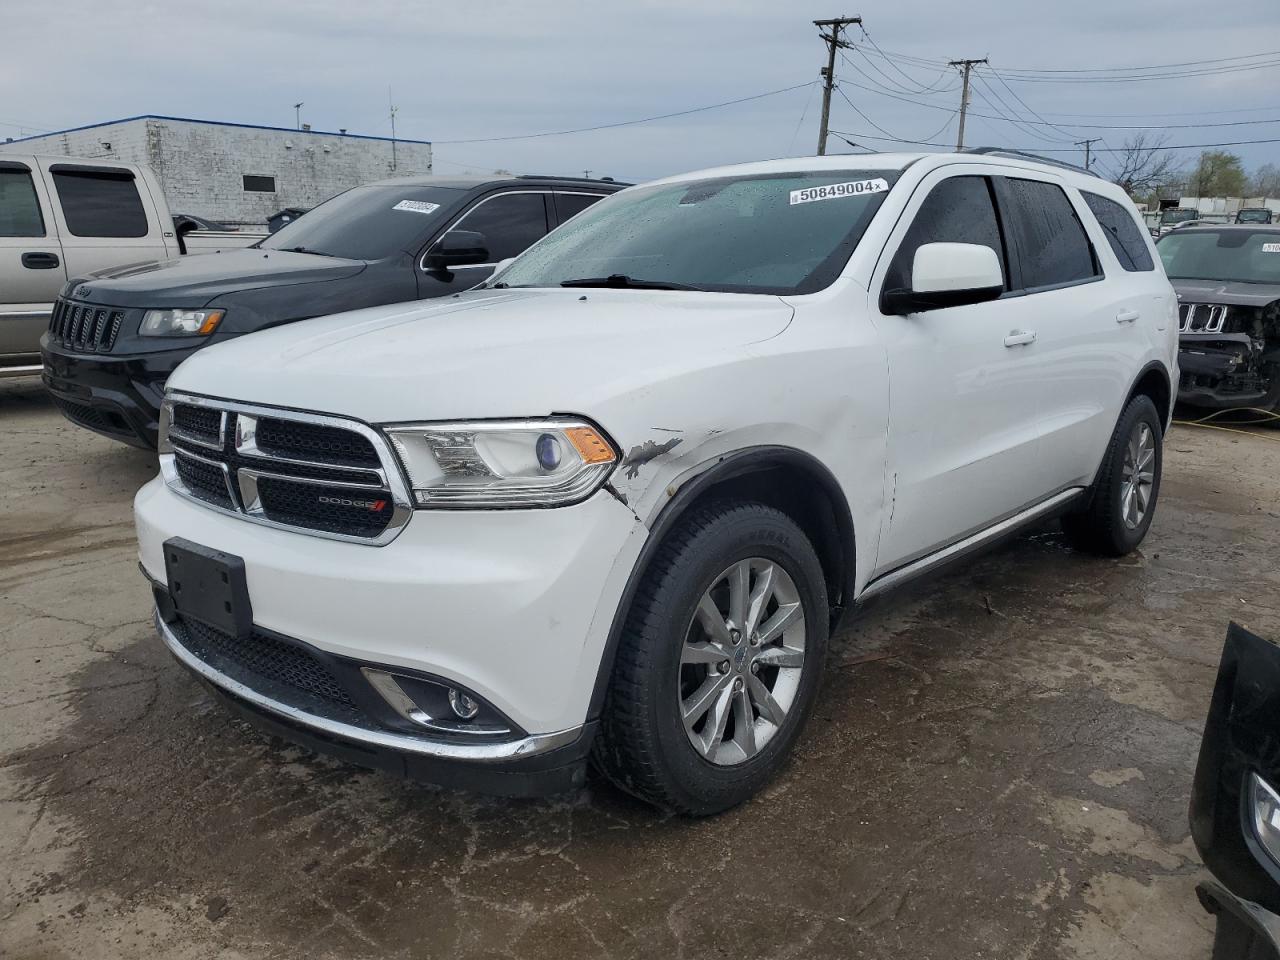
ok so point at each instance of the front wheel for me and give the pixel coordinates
(719, 663)
(1123, 499)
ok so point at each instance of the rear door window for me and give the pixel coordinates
(1126, 239)
(20, 214)
(957, 210)
(100, 204)
(510, 222)
(571, 204)
(1053, 248)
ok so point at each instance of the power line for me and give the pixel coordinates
(1035, 149)
(934, 87)
(884, 131)
(627, 123)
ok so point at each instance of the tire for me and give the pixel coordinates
(644, 746)
(1106, 524)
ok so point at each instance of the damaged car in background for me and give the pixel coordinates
(1228, 284)
(1235, 802)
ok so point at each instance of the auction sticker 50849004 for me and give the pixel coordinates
(832, 191)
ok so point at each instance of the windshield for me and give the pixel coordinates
(367, 223)
(1249, 256)
(1179, 216)
(785, 233)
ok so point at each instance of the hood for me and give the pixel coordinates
(1232, 293)
(491, 353)
(193, 281)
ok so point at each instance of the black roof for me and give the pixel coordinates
(462, 182)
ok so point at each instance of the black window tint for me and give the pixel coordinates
(19, 206)
(255, 183)
(1052, 245)
(510, 223)
(101, 204)
(571, 204)
(958, 210)
(1122, 232)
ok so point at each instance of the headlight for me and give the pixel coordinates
(180, 323)
(503, 463)
(1266, 816)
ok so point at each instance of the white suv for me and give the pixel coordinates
(611, 504)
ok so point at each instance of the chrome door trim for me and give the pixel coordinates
(971, 543)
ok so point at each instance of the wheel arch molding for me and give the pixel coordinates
(1154, 381)
(790, 479)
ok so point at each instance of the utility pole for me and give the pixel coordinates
(1087, 144)
(967, 65)
(393, 108)
(828, 73)
(297, 115)
(586, 174)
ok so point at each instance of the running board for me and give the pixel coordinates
(970, 544)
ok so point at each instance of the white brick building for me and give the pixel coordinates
(235, 172)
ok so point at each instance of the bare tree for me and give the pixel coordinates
(1266, 181)
(1143, 165)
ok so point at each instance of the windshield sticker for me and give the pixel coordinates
(1271, 248)
(832, 191)
(417, 206)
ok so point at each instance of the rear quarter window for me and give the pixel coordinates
(1126, 238)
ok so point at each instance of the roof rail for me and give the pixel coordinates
(556, 176)
(1025, 155)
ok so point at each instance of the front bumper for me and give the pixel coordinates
(514, 605)
(1254, 926)
(116, 396)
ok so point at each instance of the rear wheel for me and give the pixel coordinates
(1123, 500)
(719, 662)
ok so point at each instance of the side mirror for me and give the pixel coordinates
(458, 248)
(948, 275)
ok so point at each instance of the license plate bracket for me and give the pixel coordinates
(209, 586)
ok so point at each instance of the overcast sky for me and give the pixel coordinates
(484, 69)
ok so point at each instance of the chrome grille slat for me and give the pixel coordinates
(1202, 317)
(357, 503)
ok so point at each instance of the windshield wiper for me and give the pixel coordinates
(621, 281)
(317, 253)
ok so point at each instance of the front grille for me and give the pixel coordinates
(261, 657)
(1201, 317)
(203, 480)
(292, 469)
(200, 423)
(313, 441)
(353, 511)
(84, 326)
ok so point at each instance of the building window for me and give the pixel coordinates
(257, 184)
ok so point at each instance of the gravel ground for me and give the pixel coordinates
(999, 766)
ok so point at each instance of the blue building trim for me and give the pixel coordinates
(220, 123)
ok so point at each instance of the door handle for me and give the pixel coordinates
(1020, 338)
(40, 261)
(1127, 316)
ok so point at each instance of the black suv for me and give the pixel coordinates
(116, 336)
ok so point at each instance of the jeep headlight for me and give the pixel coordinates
(180, 323)
(1266, 816)
(503, 463)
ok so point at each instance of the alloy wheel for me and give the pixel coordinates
(742, 661)
(1137, 475)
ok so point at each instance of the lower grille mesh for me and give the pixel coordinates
(262, 657)
(204, 481)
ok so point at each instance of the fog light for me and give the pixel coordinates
(462, 705)
(1266, 817)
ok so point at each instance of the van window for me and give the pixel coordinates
(1126, 239)
(19, 206)
(958, 210)
(98, 204)
(1053, 249)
